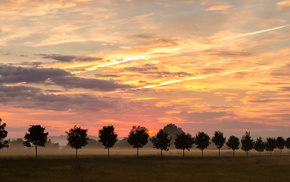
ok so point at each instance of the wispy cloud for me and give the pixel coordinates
(254, 33)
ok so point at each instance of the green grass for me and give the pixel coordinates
(146, 168)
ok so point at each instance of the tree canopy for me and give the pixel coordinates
(271, 144)
(202, 141)
(280, 144)
(161, 141)
(287, 143)
(247, 142)
(108, 137)
(3, 134)
(138, 137)
(36, 137)
(172, 130)
(219, 140)
(259, 145)
(184, 141)
(77, 138)
(233, 143)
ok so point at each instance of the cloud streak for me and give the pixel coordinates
(254, 33)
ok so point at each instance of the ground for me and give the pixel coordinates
(146, 168)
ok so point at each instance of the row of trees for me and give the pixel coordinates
(139, 137)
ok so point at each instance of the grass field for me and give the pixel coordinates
(145, 168)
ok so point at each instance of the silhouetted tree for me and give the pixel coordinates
(280, 144)
(3, 134)
(270, 145)
(138, 137)
(36, 137)
(172, 130)
(77, 138)
(233, 143)
(202, 141)
(184, 141)
(161, 141)
(247, 143)
(287, 143)
(219, 140)
(259, 145)
(108, 137)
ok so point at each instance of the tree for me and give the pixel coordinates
(287, 143)
(36, 137)
(161, 141)
(219, 140)
(259, 145)
(270, 145)
(233, 143)
(172, 130)
(77, 138)
(3, 134)
(280, 144)
(138, 137)
(184, 141)
(247, 143)
(202, 141)
(108, 137)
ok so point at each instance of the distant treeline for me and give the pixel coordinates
(138, 138)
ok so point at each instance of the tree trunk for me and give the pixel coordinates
(281, 152)
(76, 153)
(137, 152)
(36, 151)
(183, 152)
(233, 153)
(108, 153)
(247, 153)
(201, 153)
(219, 153)
(161, 153)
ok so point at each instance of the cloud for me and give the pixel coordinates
(107, 76)
(87, 83)
(283, 5)
(26, 63)
(219, 8)
(197, 117)
(285, 89)
(10, 74)
(68, 59)
(31, 97)
(153, 71)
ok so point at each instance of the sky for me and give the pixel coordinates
(204, 65)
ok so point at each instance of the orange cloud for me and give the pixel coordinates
(283, 5)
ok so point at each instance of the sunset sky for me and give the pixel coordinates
(204, 65)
